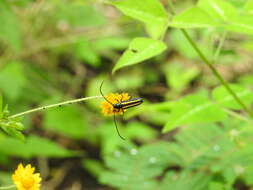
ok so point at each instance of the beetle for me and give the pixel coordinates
(121, 106)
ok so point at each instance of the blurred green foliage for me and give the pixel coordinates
(189, 134)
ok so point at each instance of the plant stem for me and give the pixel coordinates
(8, 187)
(54, 105)
(218, 50)
(211, 67)
(239, 116)
(215, 72)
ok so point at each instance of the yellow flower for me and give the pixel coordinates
(108, 109)
(25, 178)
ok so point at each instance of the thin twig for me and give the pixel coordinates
(54, 105)
(8, 187)
(239, 116)
(218, 50)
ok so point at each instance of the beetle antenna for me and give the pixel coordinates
(103, 94)
(114, 118)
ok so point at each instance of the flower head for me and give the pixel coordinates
(25, 178)
(108, 109)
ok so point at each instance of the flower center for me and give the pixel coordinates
(28, 182)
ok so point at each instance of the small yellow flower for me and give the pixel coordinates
(108, 109)
(25, 178)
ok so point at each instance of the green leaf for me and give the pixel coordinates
(152, 14)
(194, 109)
(13, 73)
(198, 146)
(12, 131)
(194, 17)
(249, 6)
(224, 98)
(185, 180)
(134, 168)
(9, 30)
(95, 167)
(139, 49)
(220, 10)
(208, 146)
(241, 24)
(226, 13)
(33, 146)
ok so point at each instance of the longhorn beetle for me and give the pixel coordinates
(121, 105)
